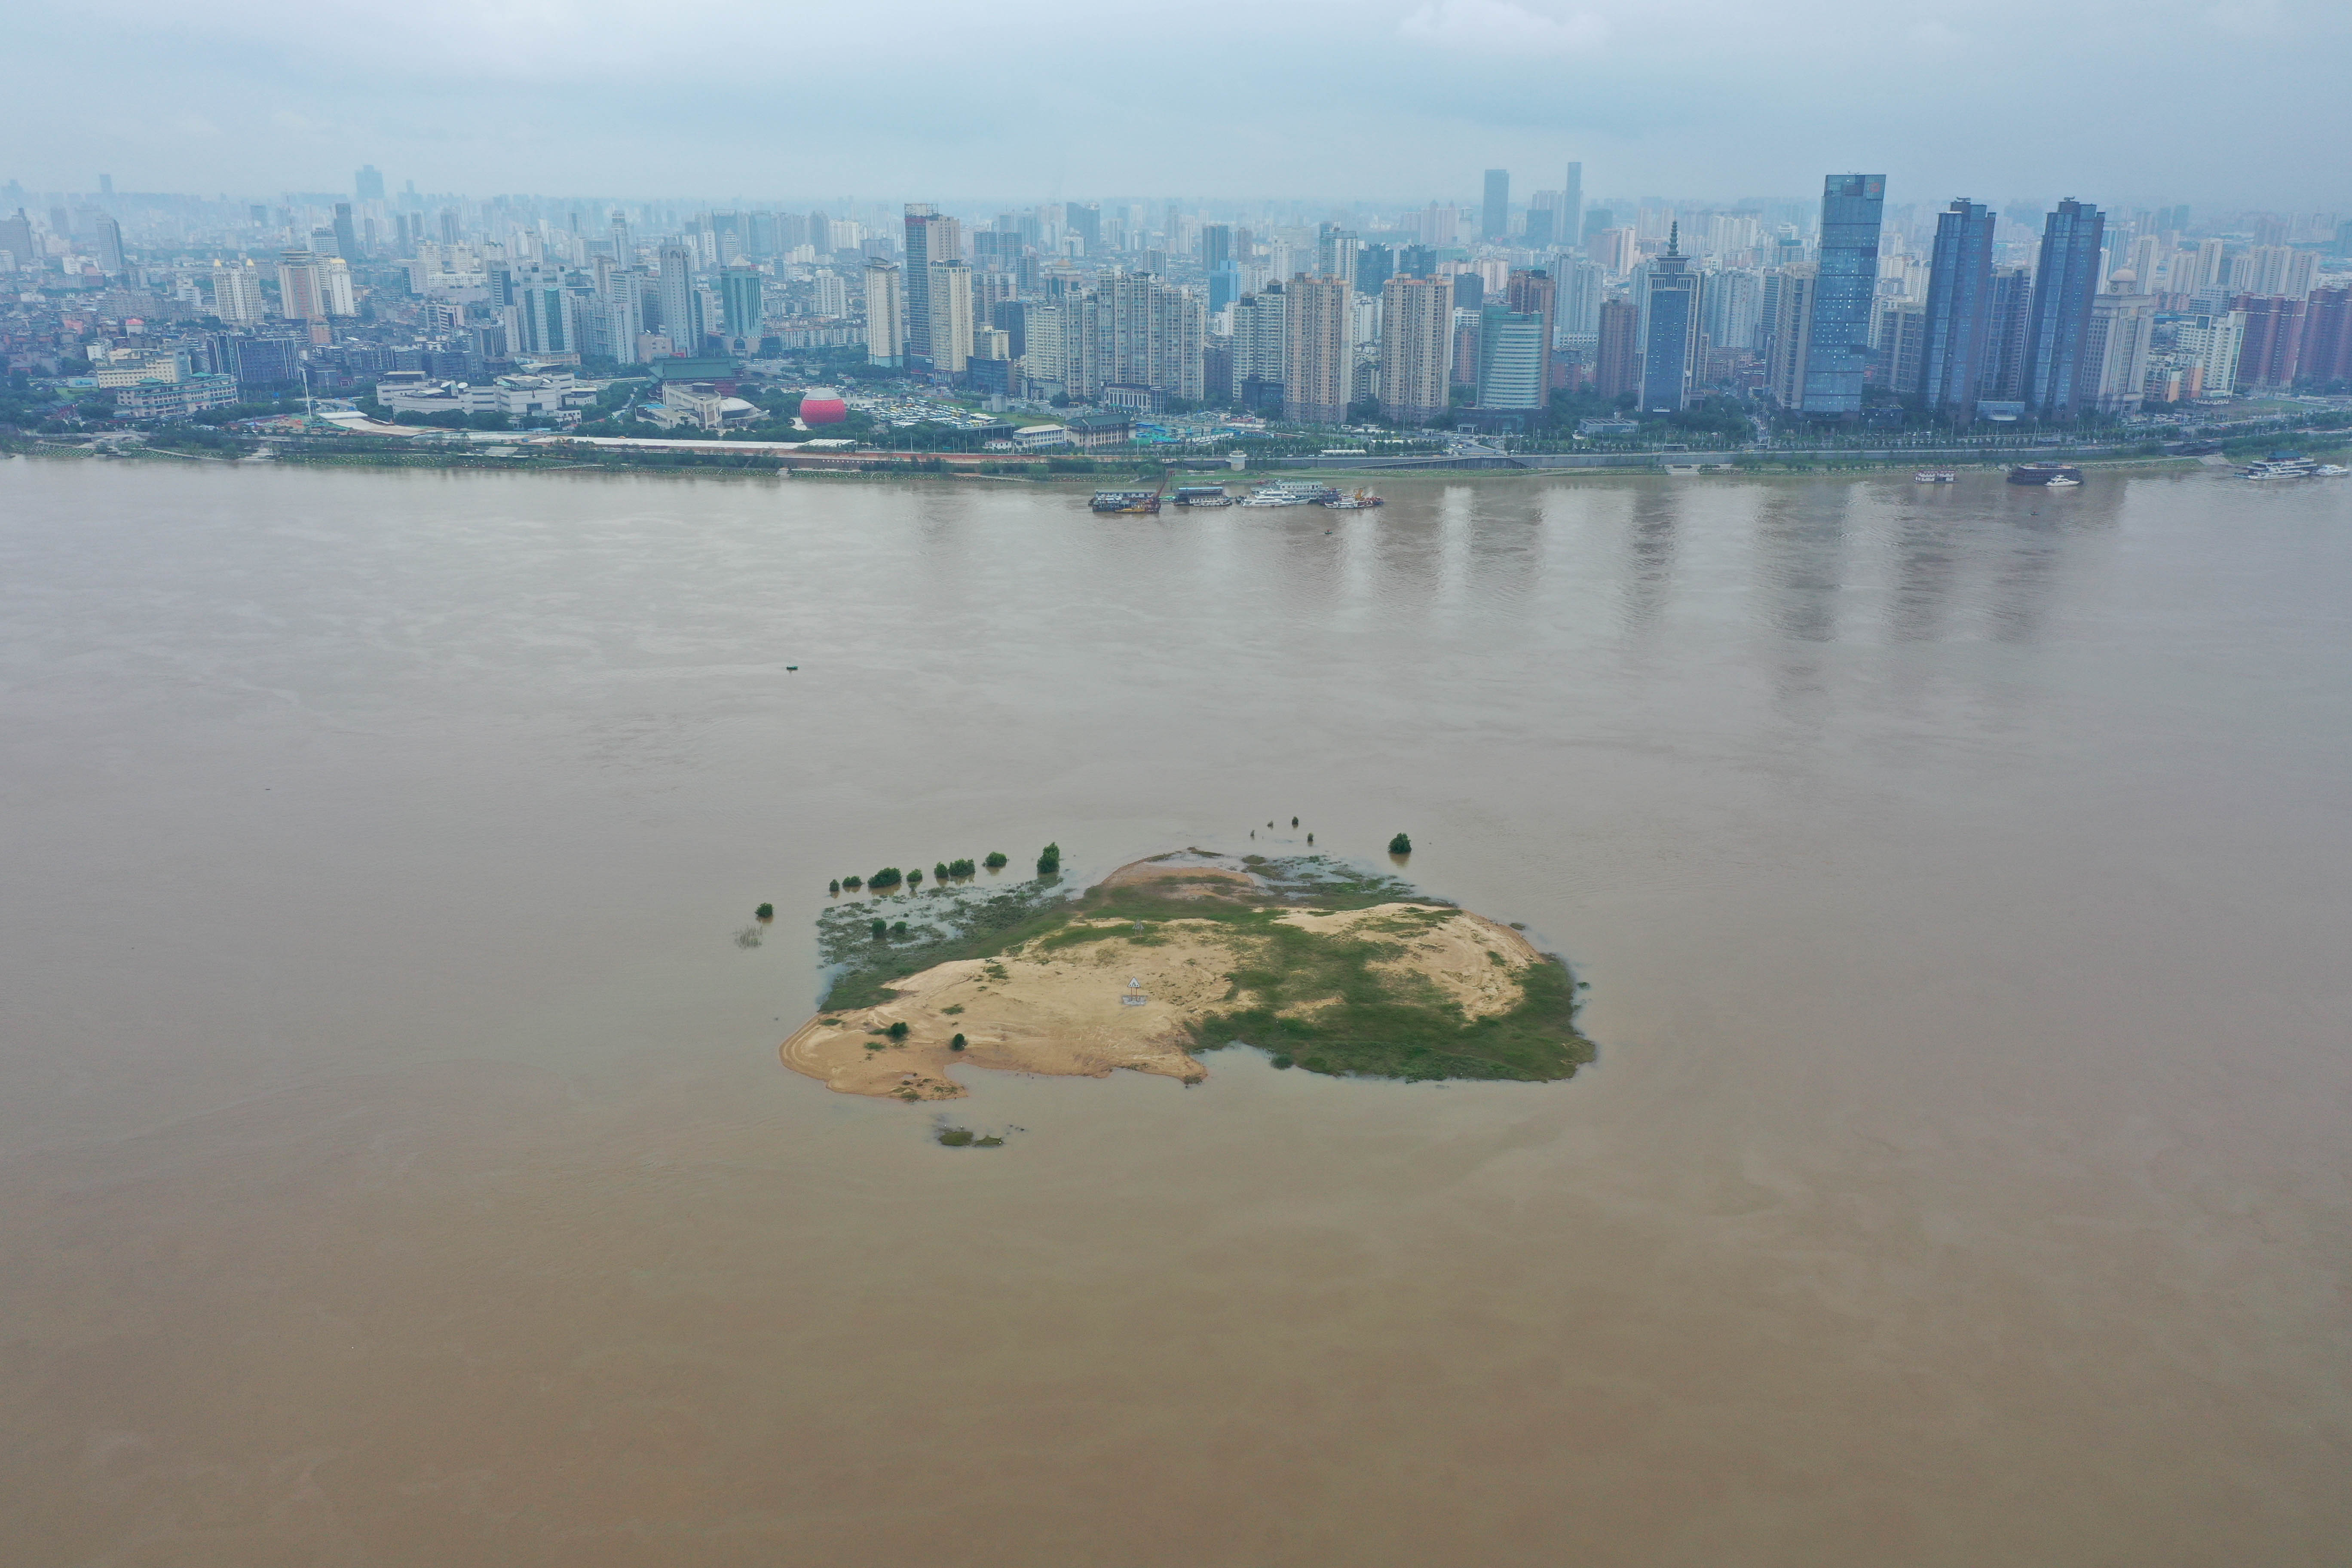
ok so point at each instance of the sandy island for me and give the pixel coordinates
(1093, 1007)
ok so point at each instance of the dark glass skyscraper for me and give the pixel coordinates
(1960, 309)
(1497, 219)
(2058, 378)
(1838, 349)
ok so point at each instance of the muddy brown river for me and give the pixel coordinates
(396, 1167)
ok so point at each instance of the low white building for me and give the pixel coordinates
(554, 398)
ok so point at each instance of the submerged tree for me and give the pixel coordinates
(995, 861)
(764, 913)
(1050, 860)
(881, 929)
(1400, 844)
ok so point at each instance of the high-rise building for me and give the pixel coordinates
(2012, 317)
(680, 302)
(2122, 324)
(1416, 348)
(1417, 261)
(301, 296)
(335, 286)
(236, 296)
(347, 239)
(2060, 382)
(1216, 247)
(1136, 330)
(738, 302)
(948, 297)
(930, 238)
(2326, 356)
(1582, 287)
(17, 239)
(106, 244)
(1495, 216)
(545, 326)
(1791, 334)
(1317, 359)
(1259, 351)
(1617, 359)
(1375, 265)
(1513, 361)
(1569, 230)
(2211, 341)
(1670, 318)
(1898, 343)
(2271, 348)
(367, 184)
(1959, 315)
(885, 315)
(1837, 354)
(1532, 292)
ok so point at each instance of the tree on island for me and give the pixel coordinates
(939, 871)
(853, 883)
(995, 861)
(835, 887)
(764, 913)
(1400, 844)
(1049, 861)
(886, 879)
(914, 876)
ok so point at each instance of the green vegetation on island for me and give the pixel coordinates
(1344, 1000)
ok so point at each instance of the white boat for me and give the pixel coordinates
(1275, 495)
(2331, 470)
(2061, 483)
(2280, 469)
(1935, 477)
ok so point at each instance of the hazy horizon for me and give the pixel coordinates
(1402, 102)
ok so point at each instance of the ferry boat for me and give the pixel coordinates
(2059, 476)
(1203, 495)
(1362, 501)
(1127, 502)
(1271, 497)
(1935, 477)
(2288, 466)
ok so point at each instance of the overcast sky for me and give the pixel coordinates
(2217, 103)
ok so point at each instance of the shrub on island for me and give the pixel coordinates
(853, 883)
(1049, 860)
(764, 913)
(886, 879)
(1400, 844)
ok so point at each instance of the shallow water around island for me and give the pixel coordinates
(395, 1166)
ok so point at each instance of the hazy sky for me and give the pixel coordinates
(2211, 101)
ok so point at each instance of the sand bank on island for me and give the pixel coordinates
(1099, 992)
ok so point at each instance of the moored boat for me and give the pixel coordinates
(1935, 477)
(2059, 474)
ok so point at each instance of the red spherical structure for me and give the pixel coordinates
(823, 405)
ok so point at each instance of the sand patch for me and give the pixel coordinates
(1089, 1008)
(1475, 962)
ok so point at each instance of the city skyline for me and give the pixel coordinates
(1407, 101)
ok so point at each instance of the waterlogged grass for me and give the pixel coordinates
(1317, 1001)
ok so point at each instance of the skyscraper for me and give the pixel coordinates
(1512, 358)
(2272, 345)
(2013, 315)
(1532, 292)
(1959, 310)
(930, 238)
(106, 243)
(1837, 354)
(2059, 382)
(738, 302)
(347, 239)
(300, 297)
(1260, 350)
(1317, 359)
(1569, 230)
(885, 315)
(1416, 348)
(1791, 334)
(1495, 219)
(680, 303)
(368, 185)
(236, 296)
(948, 297)
(16, 238)
(2122, 324)
(1617, 361)
(1669, 328)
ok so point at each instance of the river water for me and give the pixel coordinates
(395, 1166)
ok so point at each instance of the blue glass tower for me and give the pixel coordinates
(1669, 313)
(1960, 309)
(1839, 347)
(2058, 380)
